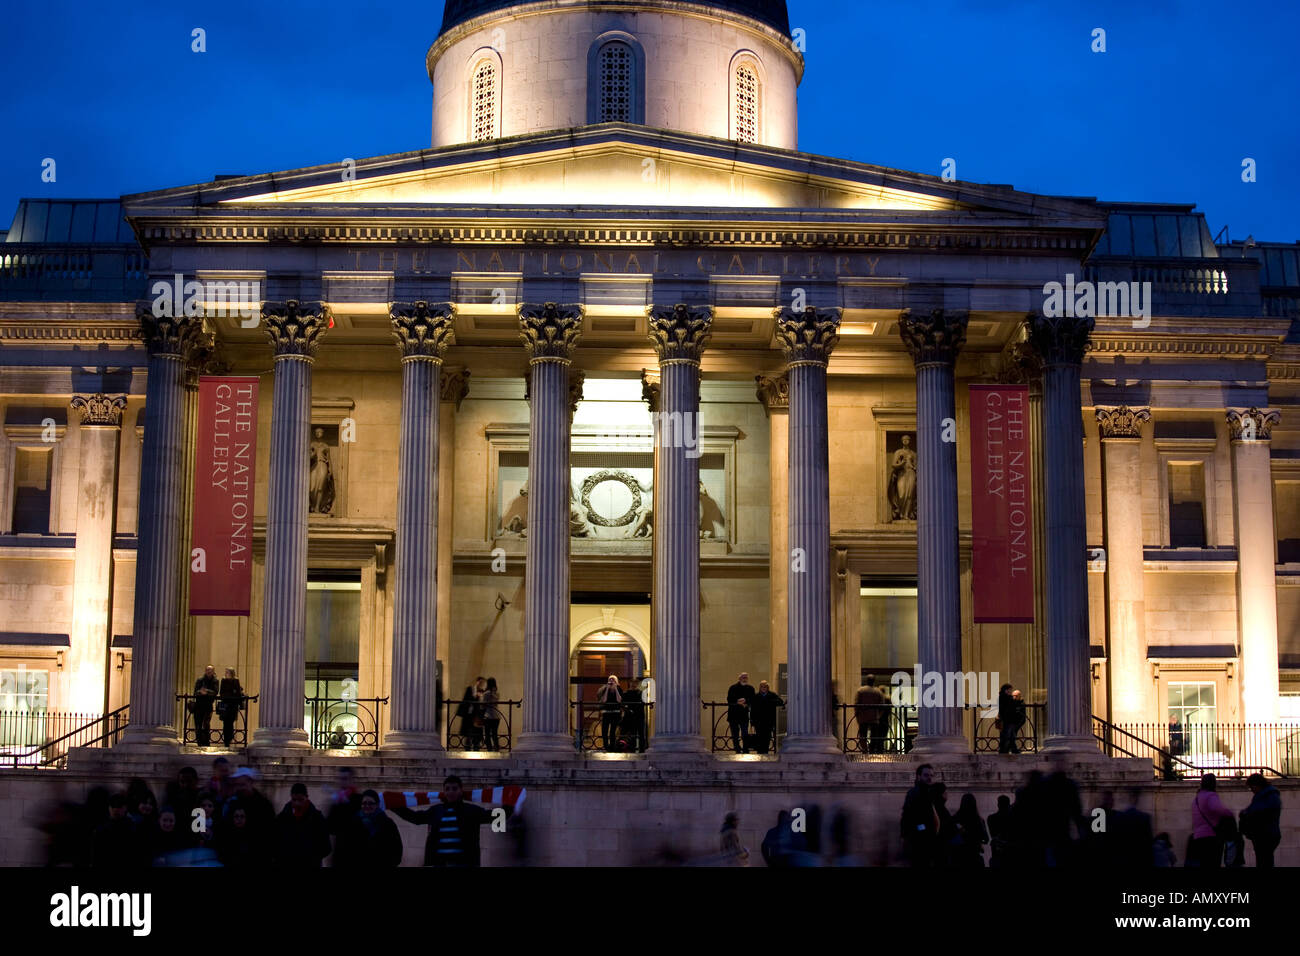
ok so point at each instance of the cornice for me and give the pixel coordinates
(1188, 343)
(56, 329)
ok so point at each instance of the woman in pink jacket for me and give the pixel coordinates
(1208, 811)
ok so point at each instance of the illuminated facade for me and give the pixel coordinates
(833, 308)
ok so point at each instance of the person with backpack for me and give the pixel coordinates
(1261, 820)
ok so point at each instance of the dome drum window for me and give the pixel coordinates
(616, 79)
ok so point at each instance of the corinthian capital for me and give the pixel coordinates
(549, 330)
(773, 391)
(1061, 339)
(294, 327)
(423, 330)
(651, 388)
(166, 334)
(935, 337)
(100, 409)
(680, 332)
(1252, 424)
(453, 385)
(1122, 421)
(807, 337)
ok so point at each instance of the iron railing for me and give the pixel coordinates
(722, 740)
(341, 723)
(630, 734)
(43, 738)
(474, 730)
(1189, 750)
(894, 730)
(193, 736)
(986, 735)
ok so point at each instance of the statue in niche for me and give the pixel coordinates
(712, 523)
(321, 492)
(579, 527)
(902, 482)
(515, 519)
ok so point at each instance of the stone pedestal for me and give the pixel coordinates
(807, 339)
(294, 329)
(423, 333)
(157, 585)
(1061, 343)
(680, 335)
(1252, 486)
(550, 333)
(1131, 699)
(934, 340)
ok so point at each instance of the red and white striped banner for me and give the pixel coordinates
(512, 796)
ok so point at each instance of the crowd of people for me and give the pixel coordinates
(227, 821)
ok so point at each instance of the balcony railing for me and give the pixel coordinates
(469, 727)
(42, 738)
(344, 723)
(1189, 750)
(629, 730)
(212, 733)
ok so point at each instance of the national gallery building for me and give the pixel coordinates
(614, 380)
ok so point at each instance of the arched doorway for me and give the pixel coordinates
(599, 654)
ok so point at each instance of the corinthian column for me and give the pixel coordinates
(294, 329)
(934, 341)
(423, 333)
(680, 335)
(1061, 342)
(92, 570)
(807, 339)
(1121, 444)
(774, 392)
(157, 585)
(1252, 499)
(550, 333)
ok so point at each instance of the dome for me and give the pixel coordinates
(771, 12)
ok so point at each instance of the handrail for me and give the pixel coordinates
(1169, 764)
(116, 718)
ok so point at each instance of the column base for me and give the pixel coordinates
(412, 743)
(539, 743)
(1077, 746)
(811, 747)
(280, 738)
(926, 744)
(676, 744)
(145, 737)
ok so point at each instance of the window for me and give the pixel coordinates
(615, 83)
(24, 699)
(1192, 714)
(33, 470)
(1287, 517)
(333, 717)
(746, 103)
(483, 101)
(888, 638)
(1186, 505)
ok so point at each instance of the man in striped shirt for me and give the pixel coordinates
(453, 826)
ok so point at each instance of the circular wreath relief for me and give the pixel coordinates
(599, 478)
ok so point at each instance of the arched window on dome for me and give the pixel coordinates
(746, 100)
(485, 99)
(616, 79)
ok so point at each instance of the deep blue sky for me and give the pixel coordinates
(1011, 90)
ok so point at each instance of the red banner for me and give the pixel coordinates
(1002, 561)
(225, 460)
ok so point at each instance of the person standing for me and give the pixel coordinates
(970, 834)
(453, 838)
(302, 839)
(869, 709)
(369, 840)
(739, 696)
(1261, 820)
(763, 714)
(471, 714)
(1208, 818)
(1001, 834)
(205, 695)
(610, 698)
(491, 715)
(1011, 717)
(920, 821)
(231, 703)
(633, 726)
(733, 852)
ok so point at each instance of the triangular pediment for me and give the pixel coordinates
(614, 165)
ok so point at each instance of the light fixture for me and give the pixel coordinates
(501, 603)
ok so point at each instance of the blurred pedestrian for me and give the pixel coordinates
(370, 840)
(115, 846)
(733, 852)
(778, 841)
(920, 821)
(969, 834)
(1210, 825)
(1261, 820)
(1001, 834)
(453, 824)
(302, 839)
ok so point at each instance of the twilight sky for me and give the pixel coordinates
(1011, 90)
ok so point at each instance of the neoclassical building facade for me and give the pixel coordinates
(614, 379)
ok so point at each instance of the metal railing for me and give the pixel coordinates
(1193, 749)
(474, 730)
(214, 735)
(629, 732)
(723, 740)
(986, 733)
(340, 723)
(888, 736)
(43, 738)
